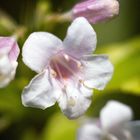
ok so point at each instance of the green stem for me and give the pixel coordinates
(59, 18)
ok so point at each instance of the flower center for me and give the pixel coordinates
(64, 66)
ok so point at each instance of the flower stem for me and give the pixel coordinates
(58, 18)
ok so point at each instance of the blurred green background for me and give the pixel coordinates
(119, 38)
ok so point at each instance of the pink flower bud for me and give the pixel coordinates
(96, 10)
(9, 52)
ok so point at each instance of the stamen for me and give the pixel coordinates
(63, 67)
(66, 57)
(75, 60)
(70, 70)
(59, 73)
(79, 65)
(82, 82)
(53, 73)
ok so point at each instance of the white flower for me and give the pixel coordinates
(67, 70)
(109, 126)
(9, 52)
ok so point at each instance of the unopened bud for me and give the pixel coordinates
(96, 10)
(9, 51)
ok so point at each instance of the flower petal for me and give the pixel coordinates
(6, 44)
(133, 130)
(9, 52)
(111, 137)
(74, 101)
(115, 114)
(7, 70)
(97, 71)
(89, 131)
(81, 38)
(38, 48)
(42, 92)
(14, 52)
(9, 46)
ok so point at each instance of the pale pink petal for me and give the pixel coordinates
(39, 48)
(80, 39)
(97, 71)
(42, 91)
(7, 70)
(6, 44)
(111, 137)
(75, 101)
(9, 52)
(14, 52)
(132, 130)
(9, 46)
(115, 114)
(89, 131)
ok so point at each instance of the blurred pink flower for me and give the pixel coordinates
(9, 52)
(96, 10)
(110, 124)
(68, 71)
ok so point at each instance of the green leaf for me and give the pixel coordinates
(10, 100)
(29, 134)
(60, 128)
(7, 24)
